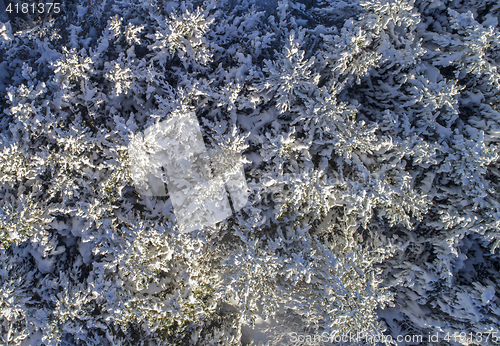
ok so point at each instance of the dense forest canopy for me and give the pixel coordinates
(369, 135)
